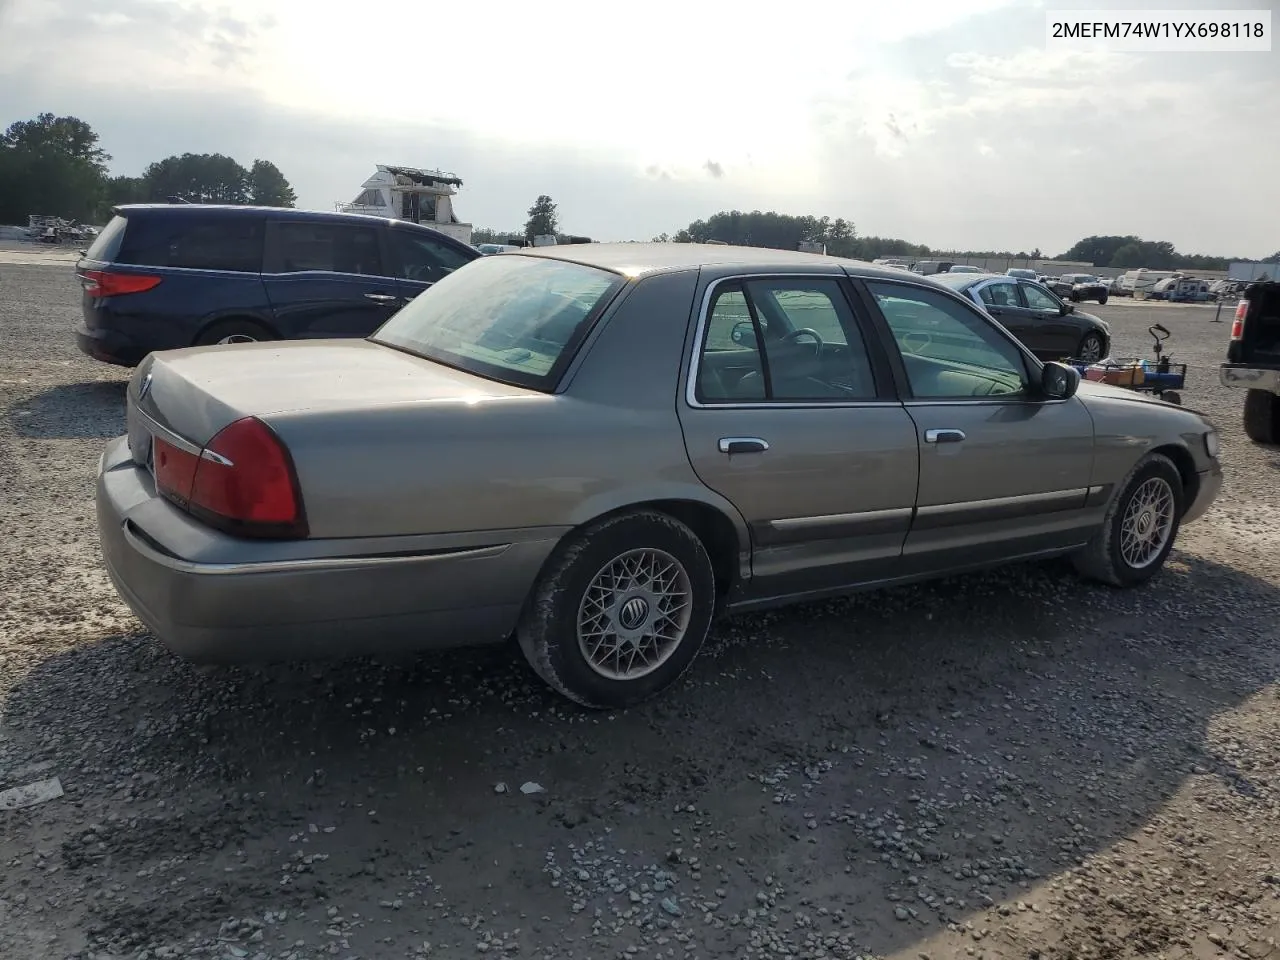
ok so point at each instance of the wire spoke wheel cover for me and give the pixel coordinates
(634, 614)
(1147, 523)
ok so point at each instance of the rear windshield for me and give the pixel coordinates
(107, 246)
(516, 319)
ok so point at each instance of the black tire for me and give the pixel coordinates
(1102, 299)
(548, 630)
(1102, 559)
(1075, 297)
(1171, 396)
(1262, 416)
(1095, 341)
(248, 329)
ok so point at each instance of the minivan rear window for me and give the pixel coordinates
(226, 242)
(107, 246)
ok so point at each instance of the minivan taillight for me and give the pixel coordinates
(104, 283)
(243, 482)
(1237, 324)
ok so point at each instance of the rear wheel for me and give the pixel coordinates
(234, 331)
(1139, 528)
(1262, 416)
(621, 610)
(1102, 298)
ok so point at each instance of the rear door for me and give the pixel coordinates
(421, 259)
(328, 278)
(789, 413)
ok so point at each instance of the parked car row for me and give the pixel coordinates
(594, 449)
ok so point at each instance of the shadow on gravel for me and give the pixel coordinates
(72, 411)
(880, 766)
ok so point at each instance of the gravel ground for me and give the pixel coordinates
(1006, 765)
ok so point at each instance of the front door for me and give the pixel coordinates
(792, 418)
(1002, 473)
(327, 279)
(422, 260)
(1046, 319)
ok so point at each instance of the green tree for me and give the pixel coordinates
(198, 178)
(51, 165)
(543, 218)
(1130, 255)
(267, 186)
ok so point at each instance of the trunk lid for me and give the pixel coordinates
(193, 393)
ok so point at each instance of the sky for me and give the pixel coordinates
(942, 122)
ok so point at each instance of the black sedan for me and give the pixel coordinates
(1049, 327)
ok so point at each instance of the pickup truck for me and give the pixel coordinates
(1253, 360)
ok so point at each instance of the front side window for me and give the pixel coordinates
(328, 247)
(515, 319)
(784, 340)
(1038, 299)
(949, 351)
(424, 258)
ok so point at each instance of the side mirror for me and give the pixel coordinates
(1058, 381)
(1066, 308)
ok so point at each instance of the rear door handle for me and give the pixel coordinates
(380, 297)
(733, 445)
(945, 435)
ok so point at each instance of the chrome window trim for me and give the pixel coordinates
(699, 333)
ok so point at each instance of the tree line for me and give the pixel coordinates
(54, 166)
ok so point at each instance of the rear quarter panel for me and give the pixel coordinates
(173, 314)
(608, 440)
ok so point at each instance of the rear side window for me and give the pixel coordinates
(328, 247)
(194, 242)
(107, 247)
(425, 258)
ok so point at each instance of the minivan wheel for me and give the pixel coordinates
(1139, 527)
(620, 610)
(233, 331)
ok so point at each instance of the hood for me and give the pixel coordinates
(1092, 390)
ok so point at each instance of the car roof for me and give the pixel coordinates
(963, 280)
(638, 259)
(235, 209)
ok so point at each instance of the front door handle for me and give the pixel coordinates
(733, 445)
(380, 297)
(946, 435)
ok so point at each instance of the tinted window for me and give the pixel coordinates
(107, 244)
(511, 318)
(194, 241)
(425, 258)
(948, 350)
(329, 247)
(792, 340)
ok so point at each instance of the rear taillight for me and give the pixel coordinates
(104, 283)
(243, 482)
(1237, 323)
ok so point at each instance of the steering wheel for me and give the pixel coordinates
(794, 335)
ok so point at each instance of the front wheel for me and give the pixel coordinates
(620, 610)
(1139, 527)
(1102, 299)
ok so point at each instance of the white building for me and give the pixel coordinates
(407, 193)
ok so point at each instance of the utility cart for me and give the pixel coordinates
(1161, 377)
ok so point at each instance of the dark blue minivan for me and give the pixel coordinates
(163, 276)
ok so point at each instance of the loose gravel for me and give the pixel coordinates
(1013, 765)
